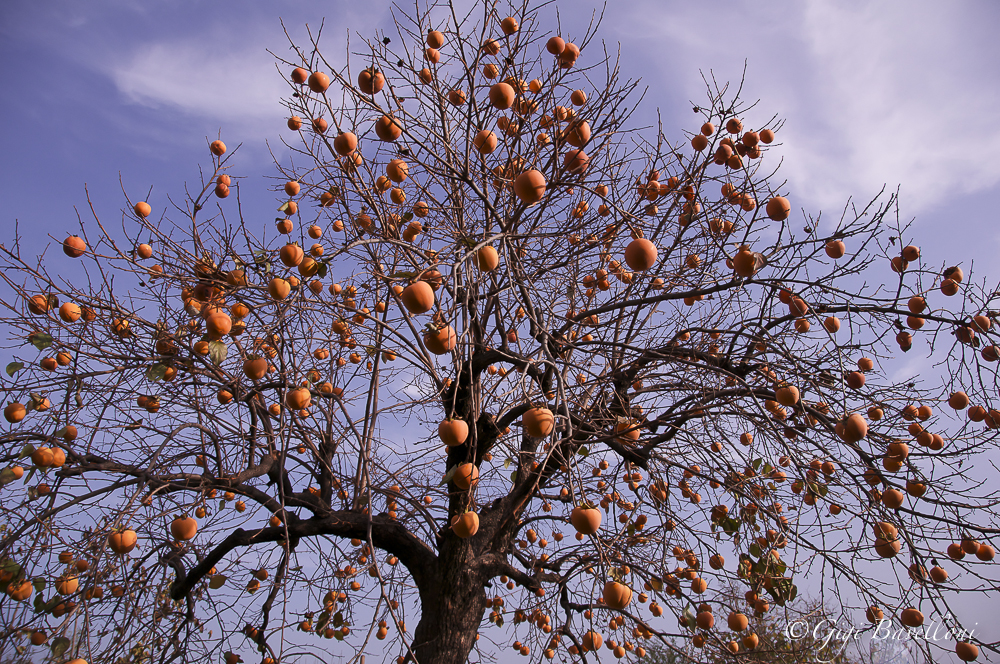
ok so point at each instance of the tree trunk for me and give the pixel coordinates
(451, 610)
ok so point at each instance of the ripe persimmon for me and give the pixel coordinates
(538, 422)
(586, 520)
(778, 208)
(640, 254)
(530, 186)
(466, 476)
(465, 525)
(318, 82)
(74, 246)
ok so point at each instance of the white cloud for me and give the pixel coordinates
(222, 72)
(200, 79)
(874, 93)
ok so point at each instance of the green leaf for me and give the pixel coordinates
(755, 550)
(59, 646)
(40, 340)
(447, 476)
(322, 621)
(39, 583)
(338, 619)
(506, 463)
(402, 275)
(217, 351)
(513, 476)
(407, 216)
(217, 581)
(793, 592)
(7, 476)
(730, 525)
(156, 372)
(688, 618)
(26, 451)
(584, 451)
(283, 208)
(756, 463)
(8, 566)
(324, 267)
(14, 367)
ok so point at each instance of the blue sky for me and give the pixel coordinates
(887, 93)
(872, 94)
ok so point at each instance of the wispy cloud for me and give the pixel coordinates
(239, 85)
(875, 93)
(213, 69)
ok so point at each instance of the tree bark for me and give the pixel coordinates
(452, 606)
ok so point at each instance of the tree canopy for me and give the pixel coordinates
(507, 368)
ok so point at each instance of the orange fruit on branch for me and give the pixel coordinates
(617, 595)
(418, 297)
(501, 96)
(74, 246)
(586, 520)
(441, 341)
(640, 254)
(466, 476)
(538, 422)
(183, 528)
(123, 541)
(345, 143)
(279, 288)
(465, 525)
(487, 259)
(530, 186)
(967, 652)
(778, 208)
(298, 398)
(453, 431)
(576, 162)
(318, 82)
(388, 129)
(370, 81)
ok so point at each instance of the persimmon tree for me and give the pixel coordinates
(509, 368)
